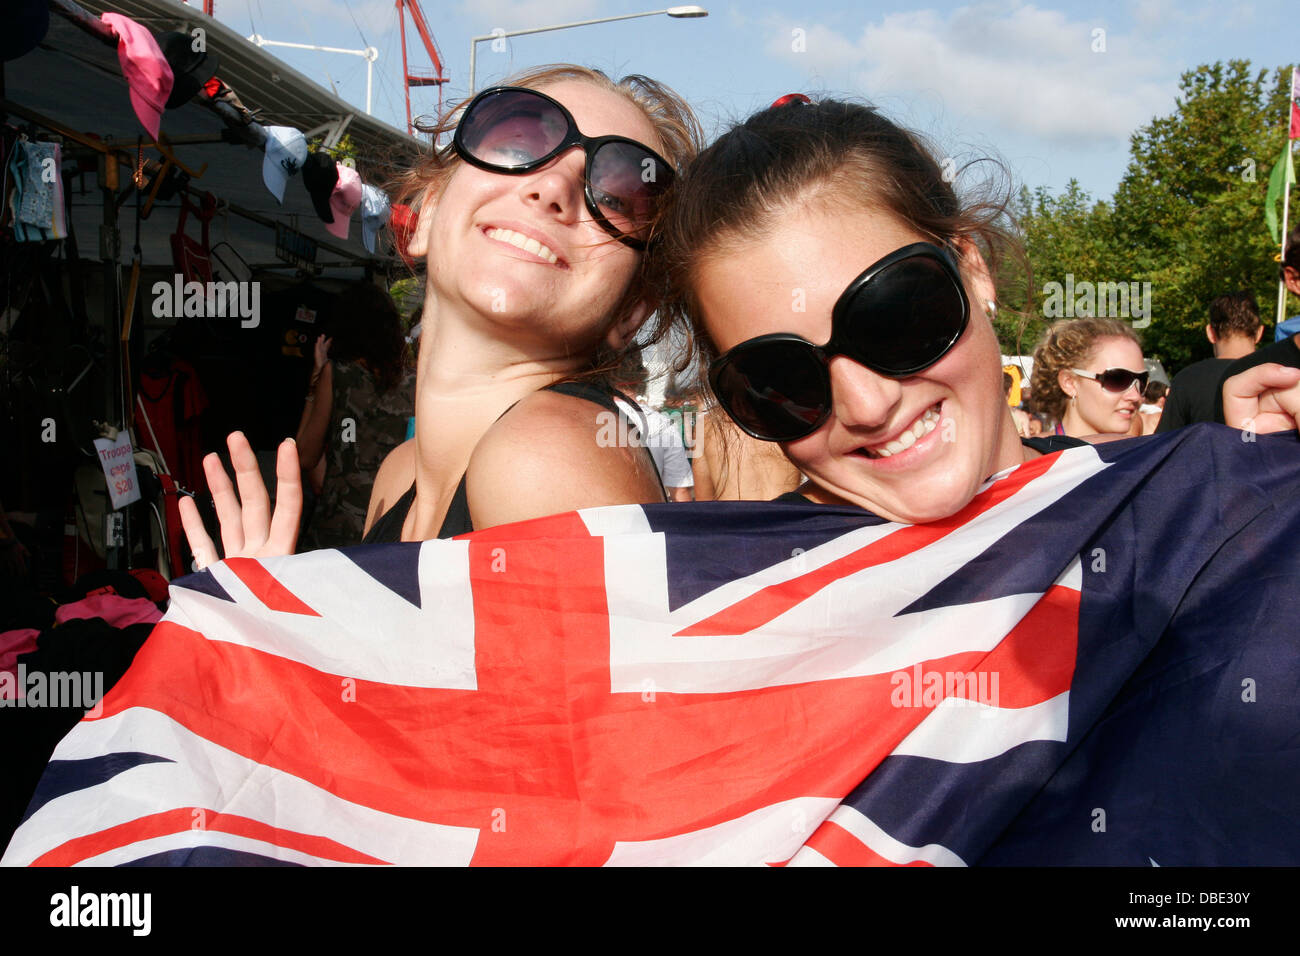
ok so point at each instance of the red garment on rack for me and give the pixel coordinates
(172, 399)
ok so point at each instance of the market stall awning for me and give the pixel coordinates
(75, 80)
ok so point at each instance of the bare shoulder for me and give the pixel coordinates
(394, 478)
(552, 453)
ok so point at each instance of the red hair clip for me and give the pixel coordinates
(790, 99)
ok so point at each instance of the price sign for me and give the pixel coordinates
(117, 458)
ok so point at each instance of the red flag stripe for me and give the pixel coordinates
(773, 601)
(266, 588)
(182, 819)
(844, 849)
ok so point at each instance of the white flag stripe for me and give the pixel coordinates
(614, 520)
(769, 834)
(893, 850)
(792, 652)
(807, 856)
(427, 646)
(962, 731)
(188, 839)
(208, 776)
(823, 636)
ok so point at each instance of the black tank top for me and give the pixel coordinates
(387, 528)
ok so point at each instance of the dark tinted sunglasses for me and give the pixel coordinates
(897, 318)
(1118, 380)
(511, 130)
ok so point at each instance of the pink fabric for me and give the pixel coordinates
(14, 643)
(116, 610)
(344, 200)
(147, 71)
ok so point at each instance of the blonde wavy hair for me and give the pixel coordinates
(1068, 344)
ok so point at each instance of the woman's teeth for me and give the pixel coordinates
(919, 429)
(526, 243)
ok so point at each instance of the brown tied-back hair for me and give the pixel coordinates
(1069, 344)
(680, 138)
(790, 155)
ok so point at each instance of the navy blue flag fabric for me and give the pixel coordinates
(1097, 661)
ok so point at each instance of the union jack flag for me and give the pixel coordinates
(1095, 661)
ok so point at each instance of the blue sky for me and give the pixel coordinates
(1019, 81)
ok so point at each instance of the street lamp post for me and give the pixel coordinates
(677, 12)
(369, 54)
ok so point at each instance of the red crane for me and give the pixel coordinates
(423, 77)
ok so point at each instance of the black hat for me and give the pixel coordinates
(320, 176)
(190, 68)
(26, 27)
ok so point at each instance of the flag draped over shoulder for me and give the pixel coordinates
(1094, 662)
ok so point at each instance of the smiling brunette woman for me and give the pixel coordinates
(836, 285)
(839, 293)
(533, 224)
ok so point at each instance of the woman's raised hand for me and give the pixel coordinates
(1263, 399)
(248, 528)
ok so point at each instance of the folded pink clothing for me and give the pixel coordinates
(113, 608)
(14, 643)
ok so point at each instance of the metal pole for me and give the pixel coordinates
(1286, 212)
(679, 12)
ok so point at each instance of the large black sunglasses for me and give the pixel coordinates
(507, 129)
(900, 316)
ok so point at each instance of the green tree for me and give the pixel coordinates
(1189, 212)
(1188, 215)
(1063, 235)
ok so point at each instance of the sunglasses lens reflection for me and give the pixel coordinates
(627, 182)
(512, 129)
(1121, 379)
(906, 318)
(777, 390)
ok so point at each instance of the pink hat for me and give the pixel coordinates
(344, 200)
(147, 72)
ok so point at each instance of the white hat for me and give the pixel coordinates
(286, 151)
(375, 210)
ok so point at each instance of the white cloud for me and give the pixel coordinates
(1011, 65)
(522, 14)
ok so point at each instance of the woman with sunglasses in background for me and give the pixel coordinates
(1089, 376)
(533, 224)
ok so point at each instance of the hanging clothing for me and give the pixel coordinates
(171, 401)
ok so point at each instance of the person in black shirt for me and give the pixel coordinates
(1234, 330)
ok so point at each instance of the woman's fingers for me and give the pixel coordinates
(248, 528)
(1271, 389)
(204, 551)
(253, 499)
(224, 499)
(288, 500)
